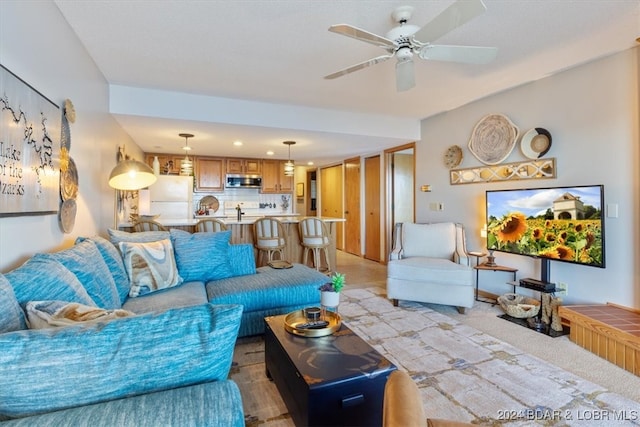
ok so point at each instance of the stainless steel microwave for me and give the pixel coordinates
(243, 181)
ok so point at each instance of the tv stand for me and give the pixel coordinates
(538, 285)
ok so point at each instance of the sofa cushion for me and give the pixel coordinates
(211, 404)
(437, 240)
(243, 259)
(113, 259)
(42, 278)
(47, 314)
(11, 315)
(43, 370)
(185, 295)
(85, 261)
(150, 266)
(434, 270)
(202, 256)
(117, 236)
(269, 288)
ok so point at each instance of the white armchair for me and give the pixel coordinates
(429, 263)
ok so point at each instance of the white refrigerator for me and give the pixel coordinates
(171, 196)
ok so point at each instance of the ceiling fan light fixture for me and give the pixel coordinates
(289, 166)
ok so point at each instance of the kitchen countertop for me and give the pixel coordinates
(185, 222)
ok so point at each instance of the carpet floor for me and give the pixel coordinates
(462, 373)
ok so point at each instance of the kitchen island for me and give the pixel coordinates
(242, 232)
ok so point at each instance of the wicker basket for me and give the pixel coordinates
(519, 306)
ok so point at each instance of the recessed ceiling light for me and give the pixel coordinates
(270, 153)
(237, 143)
(310, 163)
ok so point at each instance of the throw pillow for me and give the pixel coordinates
(44, 370)
(117, 236)
(42, 278)
(150, 266)
(11, 314)
(84, 260)
(113, 259)
(45, 314)
(202, 256)
(243, 259)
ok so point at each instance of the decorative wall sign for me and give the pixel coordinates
(29, 149)
(532, 169)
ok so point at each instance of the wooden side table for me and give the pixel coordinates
(502, 268)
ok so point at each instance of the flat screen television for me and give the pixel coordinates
(558, 223)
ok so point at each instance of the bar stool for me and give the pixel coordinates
(314, 237)
(270, 237)
(210, 225)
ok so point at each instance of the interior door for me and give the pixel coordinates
(352, 206)
(331, 198)
(372, 208)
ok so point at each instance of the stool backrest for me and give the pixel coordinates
(313, 231)
(269, 230)
(148, 225)
(210, 225)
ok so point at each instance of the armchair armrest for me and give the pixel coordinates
(460, 255)
(396, 251)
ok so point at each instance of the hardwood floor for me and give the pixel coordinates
(360, 272)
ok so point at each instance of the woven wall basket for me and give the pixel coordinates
(493, 139)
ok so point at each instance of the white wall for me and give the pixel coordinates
(592, 113)
(39, 47)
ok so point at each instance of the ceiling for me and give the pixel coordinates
(253, 71)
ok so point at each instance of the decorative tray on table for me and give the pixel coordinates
(299, 323)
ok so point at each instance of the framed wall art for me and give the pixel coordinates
(30, 126)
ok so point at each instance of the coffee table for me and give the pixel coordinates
(333, 380)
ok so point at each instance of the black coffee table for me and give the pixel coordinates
(326, 381)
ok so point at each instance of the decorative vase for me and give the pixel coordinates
(329, 298)
(156, 166)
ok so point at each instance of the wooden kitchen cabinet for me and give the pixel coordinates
(274, 179)
(169, 164)
(250, 166)
(209, 173)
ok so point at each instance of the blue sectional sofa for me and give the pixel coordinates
(137, 330)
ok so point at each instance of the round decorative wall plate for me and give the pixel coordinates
(68, 215)
(453, 156)
(209, 202)
(69, 181)
(535, 143)
(493, 138)
(65, 134)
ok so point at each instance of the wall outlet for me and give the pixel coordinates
(562, 289)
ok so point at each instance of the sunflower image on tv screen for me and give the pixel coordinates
(563, 223)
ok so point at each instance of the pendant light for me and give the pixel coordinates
(289, 167)
(186, 165)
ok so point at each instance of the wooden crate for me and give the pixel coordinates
(608, 330)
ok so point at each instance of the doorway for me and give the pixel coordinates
(400, 173)
(372, 222)
(352, 241)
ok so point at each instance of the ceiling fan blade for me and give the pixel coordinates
(466, 54)
(363, 35)
(457, 14)
(405, 78)
(359, 66)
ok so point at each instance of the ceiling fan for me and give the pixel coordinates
(406, 40)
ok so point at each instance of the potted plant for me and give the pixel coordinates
(330, 291)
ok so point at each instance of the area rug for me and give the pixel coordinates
(463, 374)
